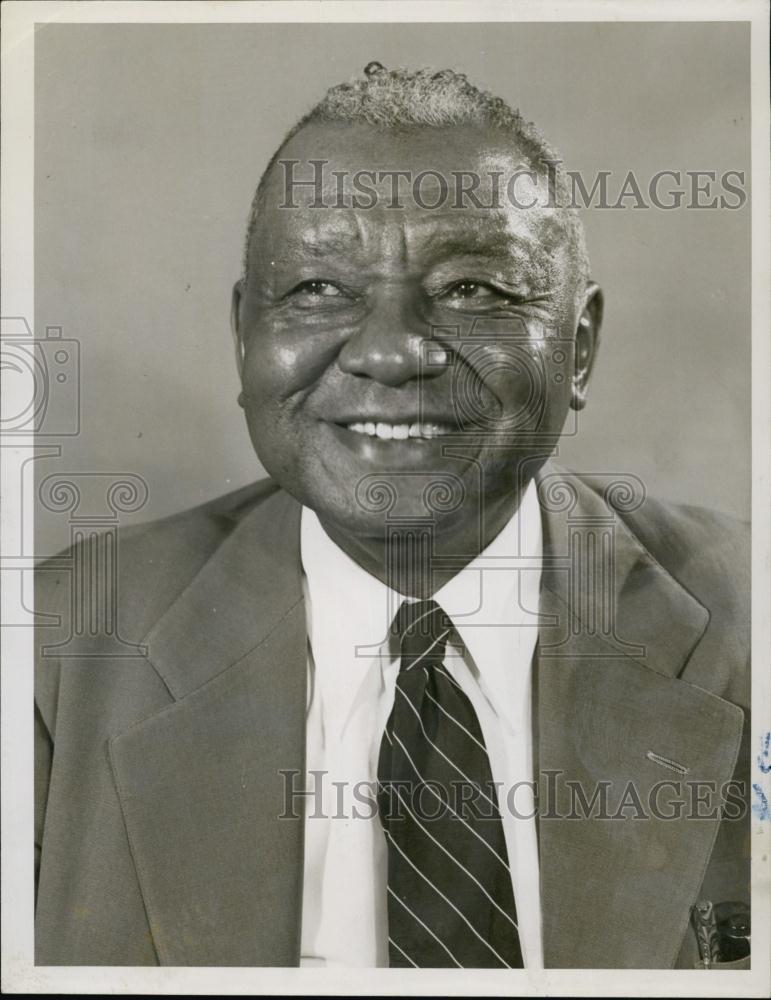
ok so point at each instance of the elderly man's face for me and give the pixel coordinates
(410, 359)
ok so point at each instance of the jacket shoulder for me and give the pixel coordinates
(708, 553)
(141, 575)
(179, 542)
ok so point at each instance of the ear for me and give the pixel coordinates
(235, 324)
(586, 343)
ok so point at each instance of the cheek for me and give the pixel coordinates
(515, 386)
(280, 362)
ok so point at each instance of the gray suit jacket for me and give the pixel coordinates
(160, 739)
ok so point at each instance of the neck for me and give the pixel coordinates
(417, 561)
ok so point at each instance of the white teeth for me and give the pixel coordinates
(384, 431)
(399, 432)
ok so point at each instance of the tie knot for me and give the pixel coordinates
(422, 627)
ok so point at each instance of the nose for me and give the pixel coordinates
(390, 346)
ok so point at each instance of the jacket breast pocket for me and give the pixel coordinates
(722, 934)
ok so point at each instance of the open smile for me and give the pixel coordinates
(385, 431)
(380, 442)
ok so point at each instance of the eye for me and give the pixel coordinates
(317, 288)
(464, 291)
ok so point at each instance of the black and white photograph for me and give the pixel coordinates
(385, 511)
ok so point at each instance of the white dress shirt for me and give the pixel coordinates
(352, 671)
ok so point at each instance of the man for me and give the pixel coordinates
(421, 698)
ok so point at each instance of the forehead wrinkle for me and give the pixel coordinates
(374, 246)
(320, 242)
(486, 231)
(308, 229)
(489, 240)
(356, 232)
(418, 240)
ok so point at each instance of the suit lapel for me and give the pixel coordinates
(616, 633)
(200, 782)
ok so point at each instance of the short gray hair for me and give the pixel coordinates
(392, 99)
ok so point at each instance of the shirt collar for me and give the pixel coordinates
(493, 603)
(350, 610)
(349, 613)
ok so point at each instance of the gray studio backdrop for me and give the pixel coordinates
(150, 139)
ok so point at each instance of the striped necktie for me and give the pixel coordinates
(450, 898)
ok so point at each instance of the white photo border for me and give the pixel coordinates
(19, 973)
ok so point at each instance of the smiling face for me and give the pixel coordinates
(410, 346)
